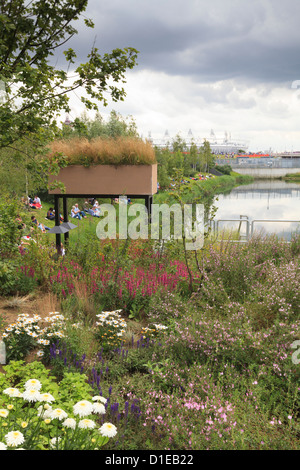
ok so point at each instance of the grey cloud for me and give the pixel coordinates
(209, 40)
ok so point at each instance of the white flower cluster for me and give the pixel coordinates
(152, 331)
(158, 326)
(83, 410)
(24, 324)
(55, 326)
(113, 320)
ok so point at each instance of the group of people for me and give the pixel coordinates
(91, 207)
(32, 202)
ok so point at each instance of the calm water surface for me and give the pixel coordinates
(264, 199)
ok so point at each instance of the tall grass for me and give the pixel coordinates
(104, 151)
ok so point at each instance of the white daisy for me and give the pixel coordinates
(47, 397)
(99, 398)
(3, 446)
(99, 408)
(31, 395)
(44, 412)
(108, 430)
(33, 384)
(58, 413)
(70, 423)
(83, 408)
(3, 413)
(14, 438)
(54, 441)
(12, 392)
(86, 424)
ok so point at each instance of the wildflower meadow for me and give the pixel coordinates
(151, 350)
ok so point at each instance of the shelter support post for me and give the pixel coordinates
(148, 204)
(57, 222)
(65, 212)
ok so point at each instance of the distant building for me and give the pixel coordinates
(67, 121)
(224, 145)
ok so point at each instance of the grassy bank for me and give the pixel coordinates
(292, 177)
(200, 190)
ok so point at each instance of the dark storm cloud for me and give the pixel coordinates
(209, 40)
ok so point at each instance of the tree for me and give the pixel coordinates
(115, 126)
(33, 90)
(207, 159)
(193, 158)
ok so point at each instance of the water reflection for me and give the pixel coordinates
(264, 200)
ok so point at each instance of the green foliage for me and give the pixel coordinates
(9, 233)
(115, 126)
(30, 32)
(225, 169)
(7, 277)
(17, 372)
(74, 387)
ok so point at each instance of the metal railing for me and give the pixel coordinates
(250, 226)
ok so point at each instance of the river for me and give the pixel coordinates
(275, 202)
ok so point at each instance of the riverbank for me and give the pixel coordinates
(195, 190)
(292, 177)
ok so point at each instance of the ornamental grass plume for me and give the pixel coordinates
(103, 151)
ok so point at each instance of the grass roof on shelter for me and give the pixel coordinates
(104, 151)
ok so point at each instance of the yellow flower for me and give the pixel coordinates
(10, 407)
(47, 421)
(24, 424)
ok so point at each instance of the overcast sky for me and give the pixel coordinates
(226, 65)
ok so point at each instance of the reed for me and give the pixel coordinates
(104, 151)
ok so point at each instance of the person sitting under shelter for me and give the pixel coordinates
(77, 213)
(35, 222)
(77, 210)
(50, 214)
(96, 210)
